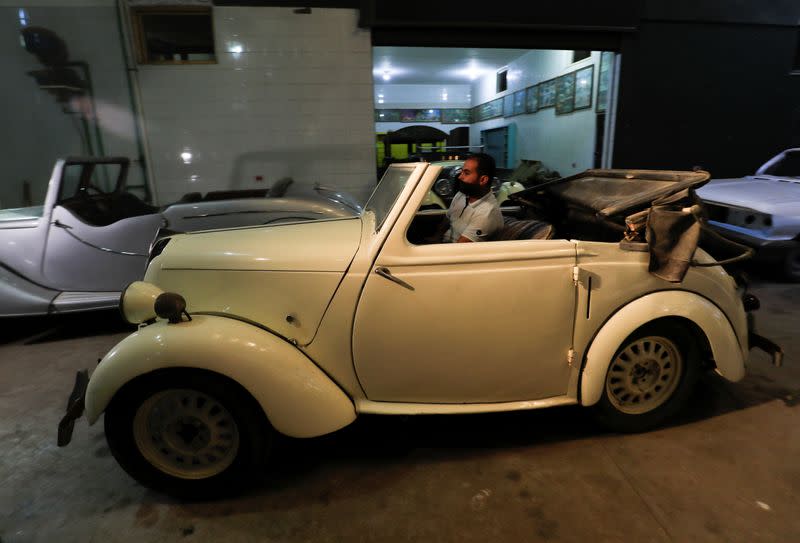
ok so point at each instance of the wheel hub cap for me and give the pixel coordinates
(186, 433)
(644, 374)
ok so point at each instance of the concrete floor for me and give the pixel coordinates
(726, 470)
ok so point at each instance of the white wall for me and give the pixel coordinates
(562, 142)
(422, 96)
(296, 101)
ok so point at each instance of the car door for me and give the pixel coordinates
(85, 252)
(466, 322)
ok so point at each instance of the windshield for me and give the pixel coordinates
(784, 165)
(387, 191)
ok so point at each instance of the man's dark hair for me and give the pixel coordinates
(485, 164)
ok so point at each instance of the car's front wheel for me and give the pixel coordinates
(188, 433)
(649, 378)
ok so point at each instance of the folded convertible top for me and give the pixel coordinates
(611, 193)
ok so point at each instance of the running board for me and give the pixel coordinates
(70, 302)
(407, 408)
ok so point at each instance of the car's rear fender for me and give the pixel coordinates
(708, 317)
(298, 398)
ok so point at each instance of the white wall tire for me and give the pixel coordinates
(649, 378)
(188, 433)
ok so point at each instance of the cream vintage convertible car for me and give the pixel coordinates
(300, 328)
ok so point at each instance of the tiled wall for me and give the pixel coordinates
(296, 101)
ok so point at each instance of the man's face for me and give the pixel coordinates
(469, 173)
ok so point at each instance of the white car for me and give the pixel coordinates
(300, 328)
(762, 210)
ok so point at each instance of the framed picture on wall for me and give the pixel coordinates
(495, 108)
(408, 115)
(565, 93)
(547, 94)
(519, 102)
(456, 116)
(387, 115)
(508, 105)
(428, 115)
(604, 80)
(532, 99)
(583, 87)
(419, 115)
(490, 110)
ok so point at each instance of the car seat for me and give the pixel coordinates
(524, 229)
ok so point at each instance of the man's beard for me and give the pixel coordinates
(472, 190)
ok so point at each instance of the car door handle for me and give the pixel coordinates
(384, 272)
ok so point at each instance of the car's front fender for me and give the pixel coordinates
(297, 397)
(671, 303)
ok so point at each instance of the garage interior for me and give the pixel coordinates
(299, 91)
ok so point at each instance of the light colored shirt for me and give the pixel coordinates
(476, 221)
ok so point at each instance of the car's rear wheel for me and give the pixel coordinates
(188, 433)
(650, 377)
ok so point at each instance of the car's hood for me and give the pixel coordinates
(319, 246)
(190, 217)
(765, 193)
(281, 276)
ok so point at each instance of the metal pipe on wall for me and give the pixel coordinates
(131, 73)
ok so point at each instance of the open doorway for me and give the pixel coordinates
(552, 108)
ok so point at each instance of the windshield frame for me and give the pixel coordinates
(399, 177)
(780, 161)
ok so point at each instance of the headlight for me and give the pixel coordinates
(444, 187)
(137, 302)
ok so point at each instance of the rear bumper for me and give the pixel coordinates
(757, 341)
(768, 346)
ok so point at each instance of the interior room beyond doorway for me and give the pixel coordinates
(551, 107)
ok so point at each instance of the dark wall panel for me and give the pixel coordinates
(718, 96)
(765, 12)
(577, 14)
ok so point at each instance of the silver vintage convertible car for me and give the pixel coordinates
(300, 328)
(92, 235)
